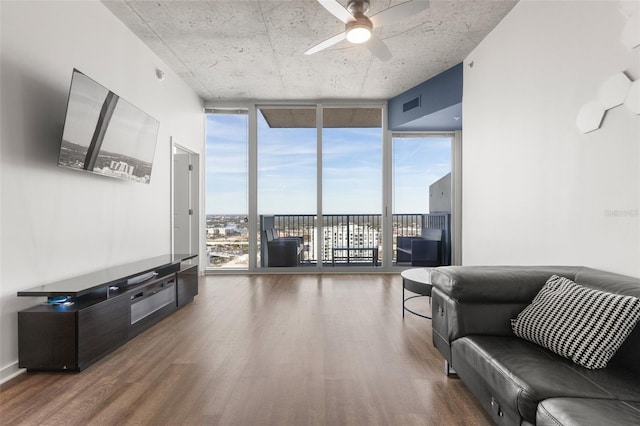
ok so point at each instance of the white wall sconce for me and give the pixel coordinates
(617, 89)
(590, 117)
(613, 91)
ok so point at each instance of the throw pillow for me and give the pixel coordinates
(582, 324)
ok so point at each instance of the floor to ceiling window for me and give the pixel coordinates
(226, 210)
(303, 187)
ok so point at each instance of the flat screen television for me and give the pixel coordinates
(105, 134)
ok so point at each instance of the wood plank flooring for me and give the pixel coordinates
(263, 350)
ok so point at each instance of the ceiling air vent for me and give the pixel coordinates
(413, 103)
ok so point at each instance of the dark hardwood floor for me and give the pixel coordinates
(263, 350)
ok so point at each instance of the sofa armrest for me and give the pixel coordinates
(453, 319)
(495, 284)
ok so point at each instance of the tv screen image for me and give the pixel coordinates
(105, 134)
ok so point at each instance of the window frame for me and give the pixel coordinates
(387, 184)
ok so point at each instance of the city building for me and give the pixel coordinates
(340, 236)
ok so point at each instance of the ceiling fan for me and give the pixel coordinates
(358, 28)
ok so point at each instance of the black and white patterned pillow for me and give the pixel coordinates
(582, 324)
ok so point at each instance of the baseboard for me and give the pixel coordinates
(10, 371)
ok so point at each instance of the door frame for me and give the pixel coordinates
(194, 197)
(456, 185)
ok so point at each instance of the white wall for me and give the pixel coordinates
(536, 190)
(56, 222)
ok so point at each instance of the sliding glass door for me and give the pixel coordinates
(422, 199)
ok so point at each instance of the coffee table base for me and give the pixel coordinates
(418, 281)
(404, 307)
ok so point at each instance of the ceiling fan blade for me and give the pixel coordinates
(337, 10)
(396, 13)
(378, 48)
(327, 43)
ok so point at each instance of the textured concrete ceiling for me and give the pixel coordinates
(230, 50)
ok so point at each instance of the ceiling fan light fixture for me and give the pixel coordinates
(359, 31)
(358, 35)
(358, 27)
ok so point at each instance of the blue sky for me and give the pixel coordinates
(352, 169)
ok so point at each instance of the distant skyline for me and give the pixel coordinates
(352, 169)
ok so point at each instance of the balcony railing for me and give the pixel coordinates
(342, 236)
(350, 231)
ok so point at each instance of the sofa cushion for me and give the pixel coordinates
(519, 374)
(579, 411)
(582, 324)
(627, 355)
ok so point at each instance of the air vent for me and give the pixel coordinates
(413, 103)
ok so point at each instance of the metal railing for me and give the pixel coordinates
(350, 231)
(342, 235)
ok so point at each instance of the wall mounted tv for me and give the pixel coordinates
(105, 134)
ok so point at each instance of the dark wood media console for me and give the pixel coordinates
(103, 311)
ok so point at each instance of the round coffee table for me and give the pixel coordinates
(417, 281)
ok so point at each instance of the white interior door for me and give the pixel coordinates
(185, 201)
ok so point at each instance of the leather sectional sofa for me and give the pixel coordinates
(519, 382)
